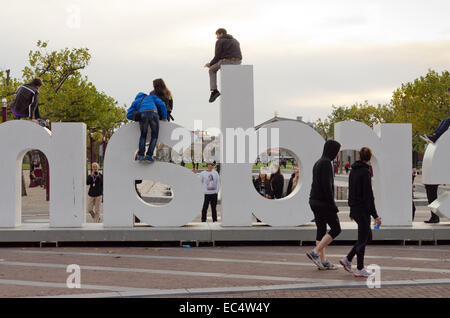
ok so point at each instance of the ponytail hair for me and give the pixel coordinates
(161, 88)
(365, 154)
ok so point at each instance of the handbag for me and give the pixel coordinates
(136, 115)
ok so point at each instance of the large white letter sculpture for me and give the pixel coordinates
(65, 148)
(239, 197)
(436, 170)
(121, 170)
(392, 165)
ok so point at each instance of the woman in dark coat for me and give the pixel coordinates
(276, 183)
(362, 207)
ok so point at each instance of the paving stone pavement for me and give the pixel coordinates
(224, 271)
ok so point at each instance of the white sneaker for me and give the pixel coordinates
(346, 264)
(361, 273)
(426, 139)
(315, 258)
(328, 266)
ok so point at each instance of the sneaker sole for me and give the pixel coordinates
(360, 276)
(345, 266)
(318, 264)
(327, 269)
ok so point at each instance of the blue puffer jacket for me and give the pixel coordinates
(149, 102)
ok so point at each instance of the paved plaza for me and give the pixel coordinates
(221, 271)
(227, 271)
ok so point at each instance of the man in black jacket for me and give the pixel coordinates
(95, 183)
(228, 51)
(25, 105)
(323, 205)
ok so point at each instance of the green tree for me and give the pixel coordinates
(67, 95)
(424, 103)
(362, 112)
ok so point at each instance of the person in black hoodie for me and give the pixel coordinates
(362, 206)
(276, 183)
(26, 103)
(228, 51)
(323, 205)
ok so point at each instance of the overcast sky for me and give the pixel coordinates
(307, 55)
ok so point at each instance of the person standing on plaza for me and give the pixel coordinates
(276, 183)
(362, 206)
(324, 206)
(347, 167)
(432, 195)
(262, 183)
(293, 181)
(95, 194)
(210, 181)
(227, 52)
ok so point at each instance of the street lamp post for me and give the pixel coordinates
(4, 105)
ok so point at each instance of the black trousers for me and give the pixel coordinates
(362, 218)
(324, 216)
(210, 199)
(432, 194)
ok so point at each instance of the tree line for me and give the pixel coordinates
(423, 102)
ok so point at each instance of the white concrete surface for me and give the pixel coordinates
(65, 149)
(391, 145)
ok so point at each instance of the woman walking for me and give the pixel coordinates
(362, 207)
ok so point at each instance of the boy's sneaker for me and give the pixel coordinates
(315, 258)
(432, 137)
(149, 159)
(426, 139)
(346, 264)
(214, 94)
(140, 158)
(361, 273)
(328, 266)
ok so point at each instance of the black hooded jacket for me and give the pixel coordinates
(322, 189)
(360, 194)
(26, 101)
(226, 47)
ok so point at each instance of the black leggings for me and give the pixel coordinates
(324, 216)
(364, 237)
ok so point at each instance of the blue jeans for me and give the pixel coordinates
(151, 119)
(443, 127)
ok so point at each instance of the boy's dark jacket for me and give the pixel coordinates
(322, 188)
(226, 47)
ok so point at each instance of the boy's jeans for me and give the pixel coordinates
(443, 127)
(148, 118)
